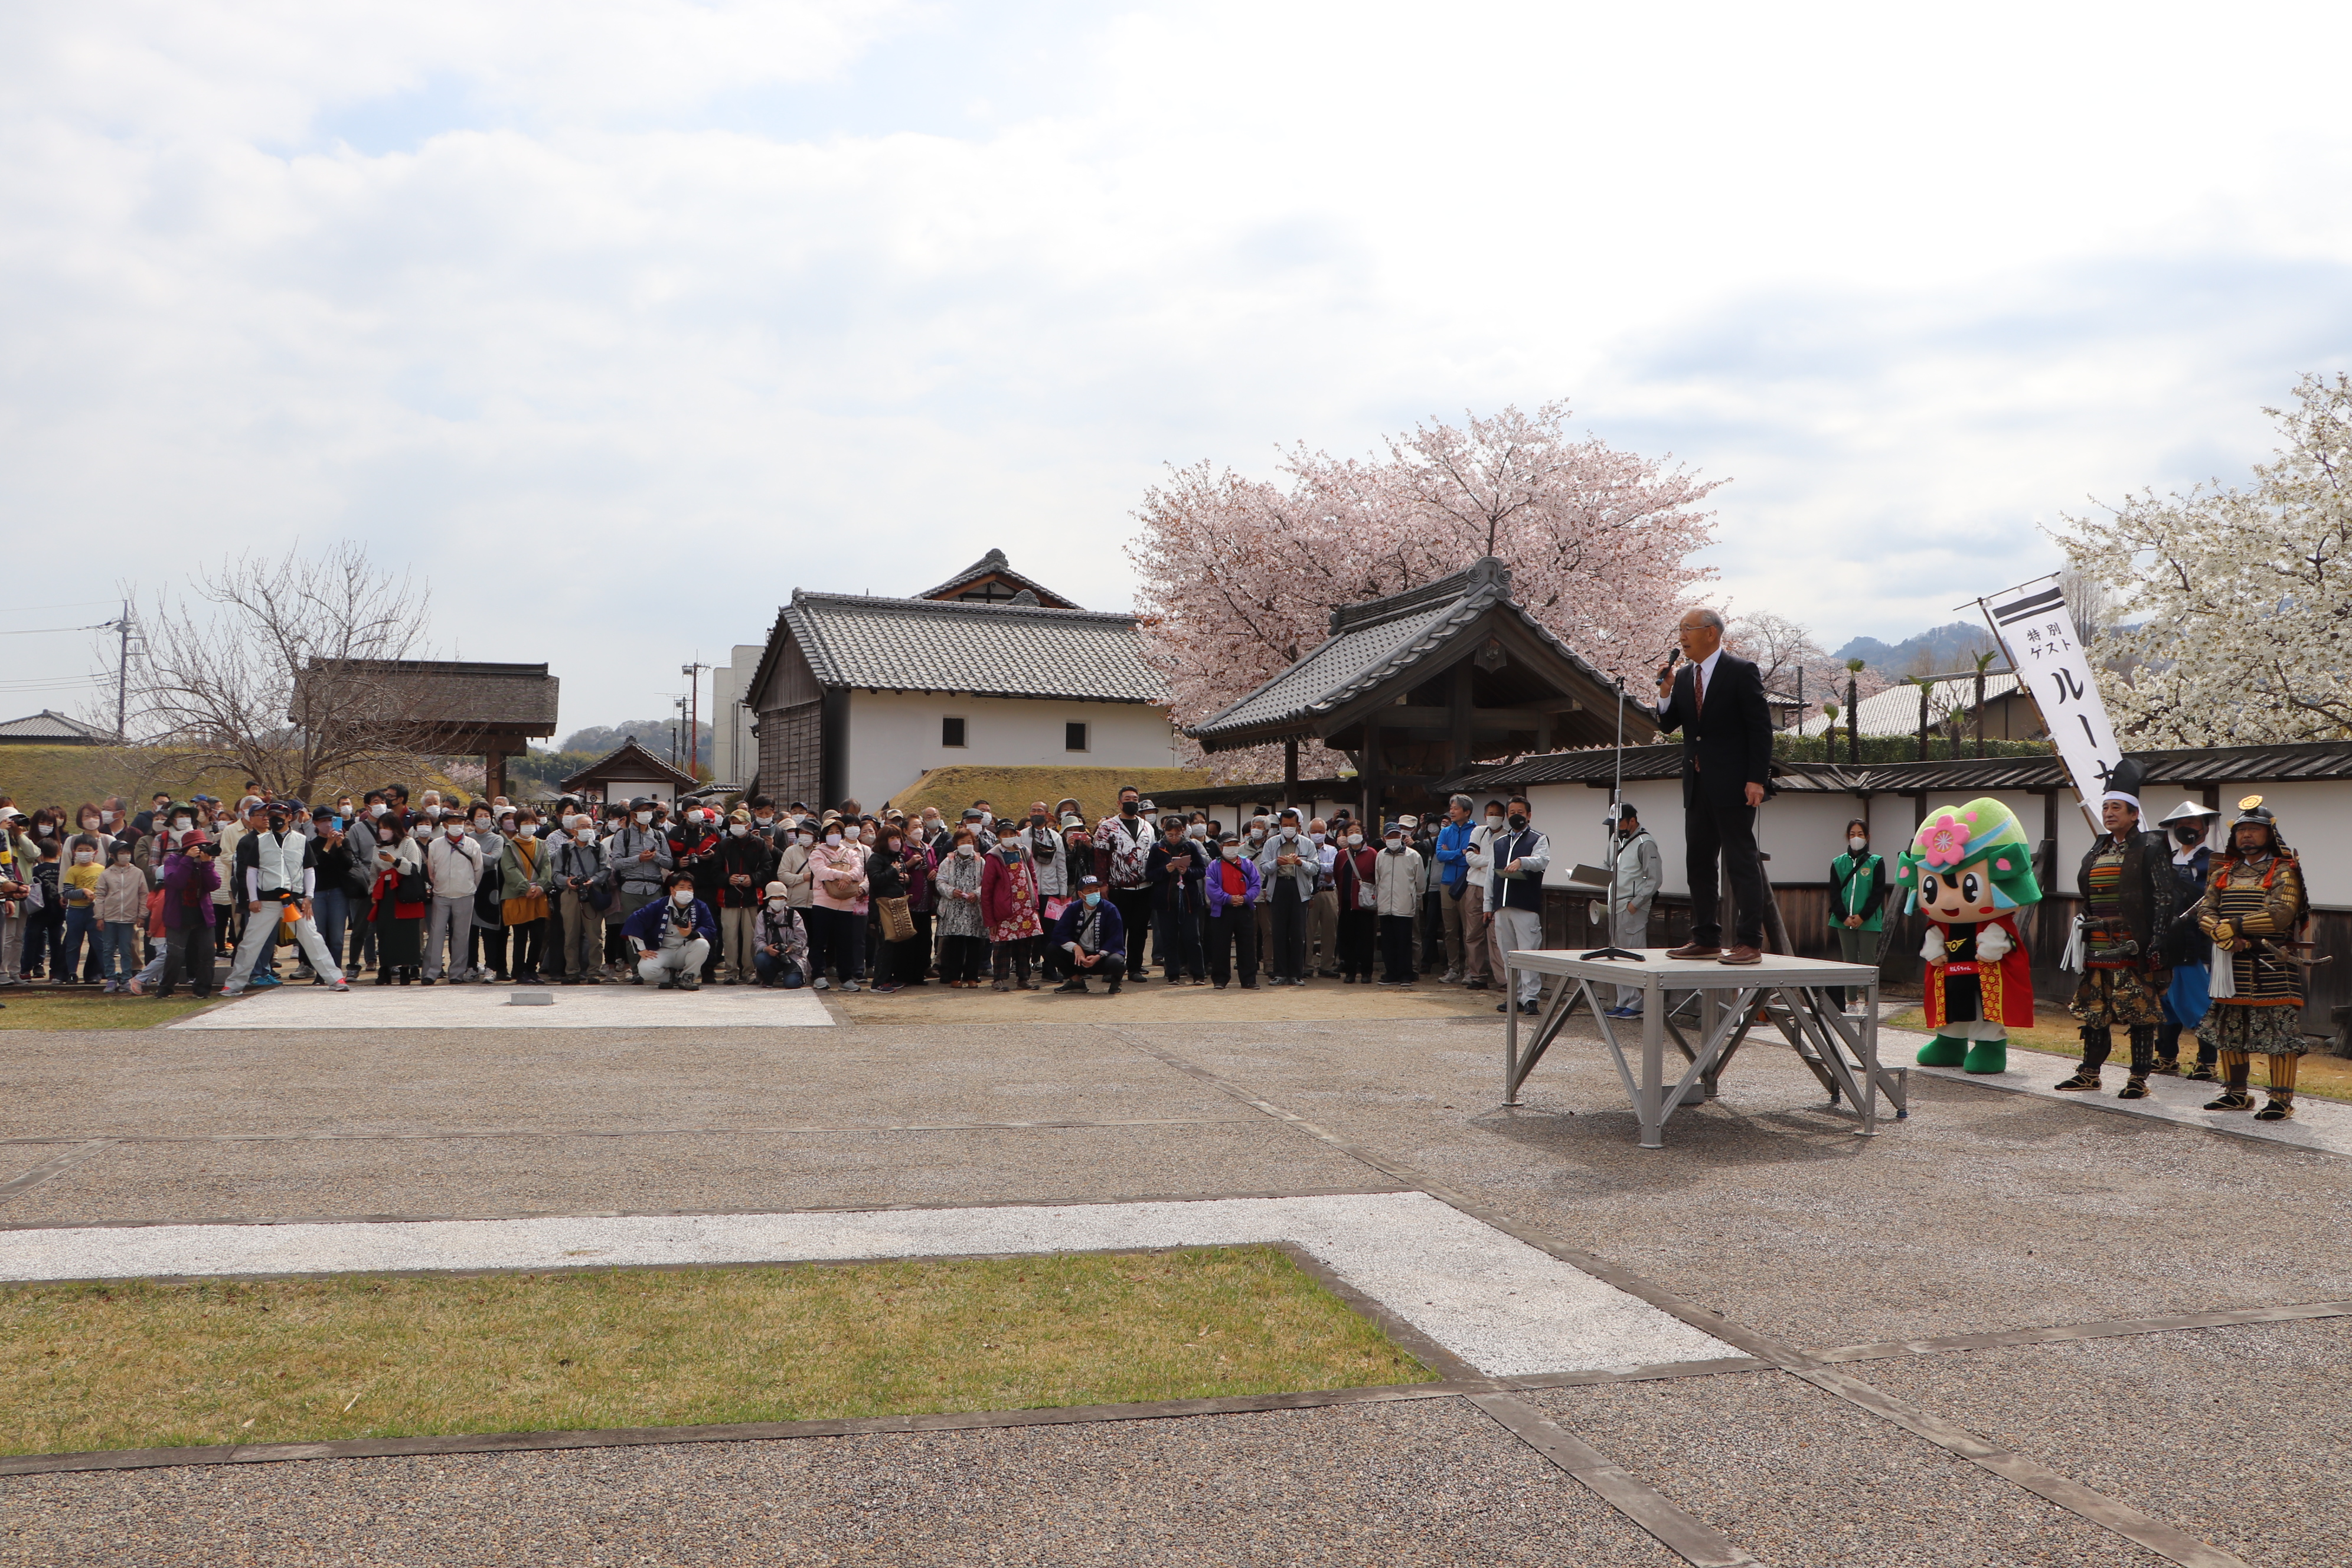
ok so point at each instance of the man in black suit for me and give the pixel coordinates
(1718, 702)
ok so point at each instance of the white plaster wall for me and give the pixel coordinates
(1570, 816)
(2315, 820)
(733, 757)
(1803, 833)
(894, 735)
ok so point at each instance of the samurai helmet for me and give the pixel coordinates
(2251, 809)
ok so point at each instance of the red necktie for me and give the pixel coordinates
(1698, 684)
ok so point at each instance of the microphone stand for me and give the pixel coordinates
(1616, 800)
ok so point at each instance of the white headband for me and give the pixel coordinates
(2129, 800)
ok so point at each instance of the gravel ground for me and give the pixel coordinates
(163, 1081)
(1985, 1210)
(2236, 1434)
(1428, 1482)
(656, 1174)
(1803, 1479)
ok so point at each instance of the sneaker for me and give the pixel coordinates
(822, 984)
(884, 990)
(1451, 977)
(340, 985)
(427, 981)
(1071, 987)
(849, 985)
(239, 990)
(691, 983)
(264, 978)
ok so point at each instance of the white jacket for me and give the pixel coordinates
(454, 866)
(1398, 883)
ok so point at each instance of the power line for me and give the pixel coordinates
(38, 631)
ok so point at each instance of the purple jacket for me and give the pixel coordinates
(188, 884)
(1217, 883)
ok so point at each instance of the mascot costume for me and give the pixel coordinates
(1969, 871)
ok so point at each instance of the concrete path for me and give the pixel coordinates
(373, 1008)
(1490, 1299)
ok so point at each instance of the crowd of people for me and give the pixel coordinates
(440, 889)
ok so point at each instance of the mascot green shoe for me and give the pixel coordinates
(1986, 1056)
(1943, 1051)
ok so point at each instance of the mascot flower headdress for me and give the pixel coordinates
(1983, 837)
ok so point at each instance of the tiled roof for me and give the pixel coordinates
(2186, 768)
(994, 565)
(51, 725)
(628, 760)
(1896, 711)
(987, 650)
(1371, 642)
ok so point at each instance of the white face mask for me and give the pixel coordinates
(455, 830)
(584, 837)
(832, 840)
(433, 811)
(1396, 845)
(481, 824)
(106, 818)
(1354, 839)
(1197, 830)
(763, 821)
(806, 840)
(378, 809)
(738, 829)
(84, 856)
(1289, 833)
(853, 833)
(1232, 851)
(1857, 845)
(1493, 820)
(645, 818)
(777, 905)
(966, 850)
(1315, 838)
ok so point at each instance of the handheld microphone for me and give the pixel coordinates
(1673, 657)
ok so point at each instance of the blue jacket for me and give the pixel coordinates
(1218, 897)
(1452, 869)
(646, 925)
(1113, 934)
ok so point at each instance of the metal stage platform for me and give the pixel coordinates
(1723, 1002)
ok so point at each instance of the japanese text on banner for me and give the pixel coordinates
(2038, 634)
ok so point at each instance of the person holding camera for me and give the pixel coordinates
(670, 937)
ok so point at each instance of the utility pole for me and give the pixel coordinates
(123, 628)
(693, 673)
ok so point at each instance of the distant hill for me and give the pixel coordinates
(653, 734)
(1938, 652)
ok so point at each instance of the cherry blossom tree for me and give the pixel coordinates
(1239, 576)
(2232, 607)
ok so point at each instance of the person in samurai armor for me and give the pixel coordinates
(2254, 902)
(1970, 870)
(2129, 898)
(2187, 824)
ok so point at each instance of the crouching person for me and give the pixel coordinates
(671, 937)
(1092, 938)
(779, 941)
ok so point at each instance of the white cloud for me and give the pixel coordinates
(621, 320)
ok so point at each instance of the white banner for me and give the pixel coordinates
(2038, 634)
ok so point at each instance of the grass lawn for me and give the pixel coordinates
(2329, 1077)
(86, 1007)
(132, 1365)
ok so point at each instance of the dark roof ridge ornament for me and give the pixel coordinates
(1486, 576)
(1023, 597)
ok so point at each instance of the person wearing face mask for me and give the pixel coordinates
(672, 936)
(1089, 935)
(1355, 891)
(1057, 872)
(779, 942)
(1858, 901)
(83, 864)
(398, 901)
(1123, 843)
(278, 872)
(525, 873)
(1008, 902)
(1520, 854)
(485, 934)
(228, 915)
(1400, 881)
(189, 875)
(18, 892)
(640, 860)
(837, 906)
(454, 865)
(361, 832)
(963, 931)
(1453, 876)
(1640, 872)
(1323, 909)
(121, 905)
(580, 883)
(746, 864)
(1069, 814)
(1231, 893)
(899, 961)
(1481, 965)
(1287, 867)
(1175, 871)
(337, 874)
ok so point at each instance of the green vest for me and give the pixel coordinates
(1849, 884)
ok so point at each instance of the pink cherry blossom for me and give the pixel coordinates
(1239, 576)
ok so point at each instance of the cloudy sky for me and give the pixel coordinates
(618, 320)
